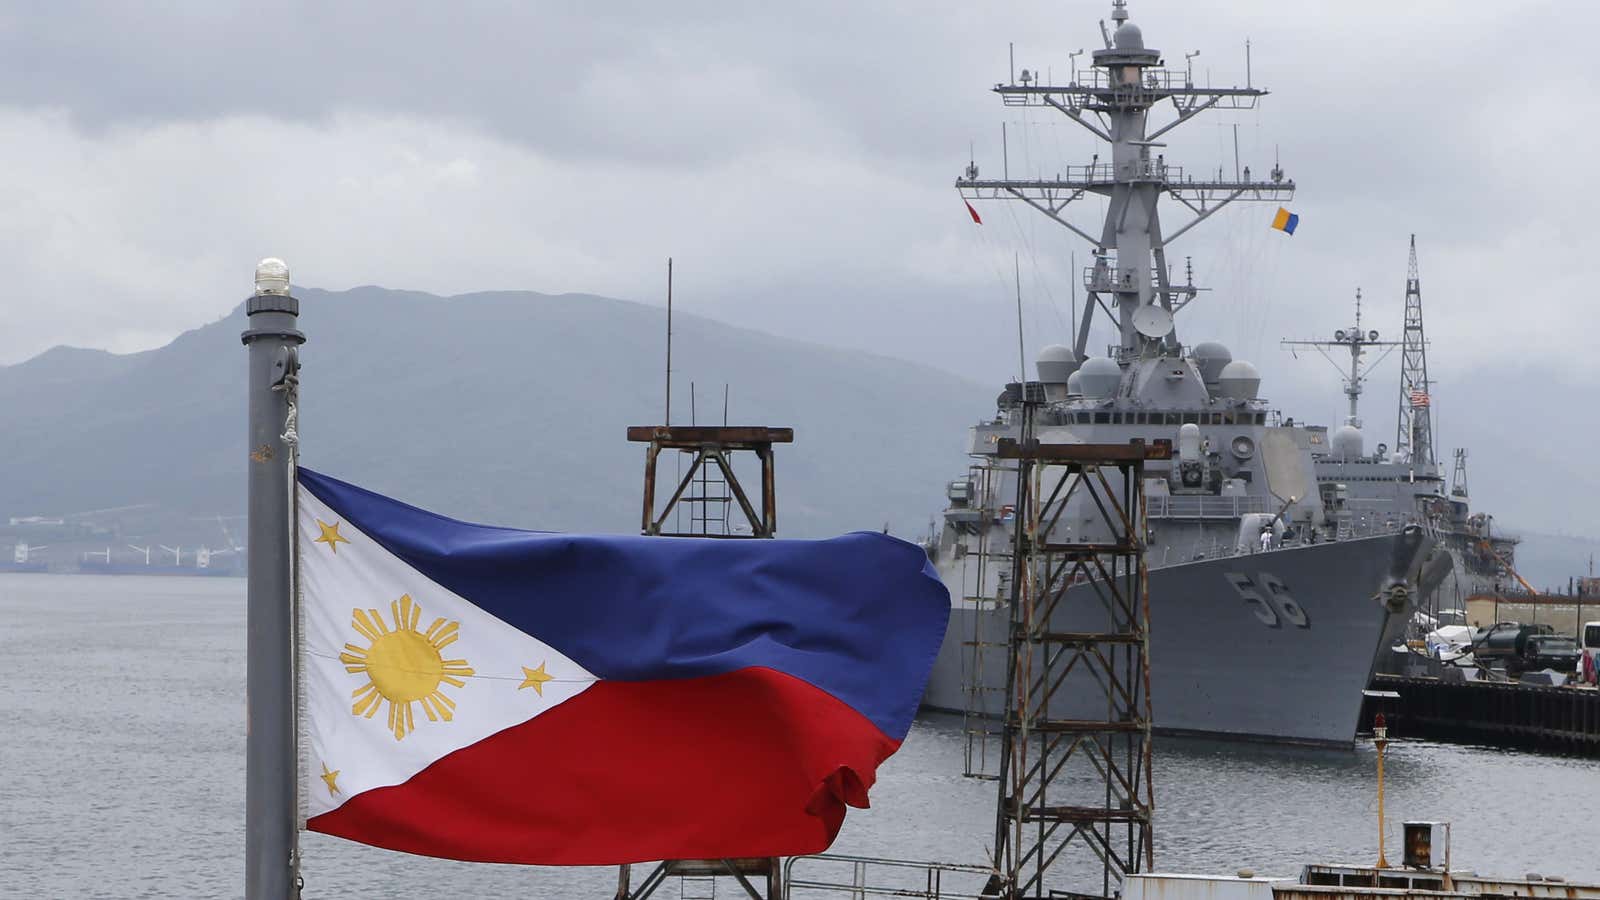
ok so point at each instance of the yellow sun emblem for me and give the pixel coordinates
(403, 666)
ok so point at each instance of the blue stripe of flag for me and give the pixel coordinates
(859, 616)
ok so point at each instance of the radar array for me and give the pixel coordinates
(1114, 100)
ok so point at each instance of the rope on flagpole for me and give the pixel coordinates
(290, 388)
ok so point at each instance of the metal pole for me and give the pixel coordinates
(1380, 737)
(272, 853)
(1022, 355)
(1072, 282)
(667, 420)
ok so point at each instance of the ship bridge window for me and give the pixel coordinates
(1191, 418)
(1141, 418)
(1101, 418)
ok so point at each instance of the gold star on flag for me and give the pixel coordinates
(535, 678)
(331, 777)
(331, 536)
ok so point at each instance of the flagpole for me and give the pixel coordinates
(272, 852)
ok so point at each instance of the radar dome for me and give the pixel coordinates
(1074, 384)
(1128, 37)
(1347, 442)
(1239, 380)
(1099, 377)
(1056, 364)
(1210, 357)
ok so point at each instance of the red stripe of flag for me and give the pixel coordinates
(972, 212)
(748, 763)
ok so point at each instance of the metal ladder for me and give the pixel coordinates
(697, 887)
(710, 501)
(981, 701)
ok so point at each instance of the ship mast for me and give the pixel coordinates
(1114, 100)
(1356, 342)
(1414, 431)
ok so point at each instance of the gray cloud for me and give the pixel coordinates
(796, 159)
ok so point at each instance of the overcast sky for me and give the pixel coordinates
(797, 159)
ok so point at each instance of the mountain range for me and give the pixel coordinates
(511, 408)
(505, 407)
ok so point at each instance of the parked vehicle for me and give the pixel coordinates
(1505, 641)
(1589, 663)
(1545, 651)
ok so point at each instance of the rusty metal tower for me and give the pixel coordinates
(1066, 780)
(1414, 437)
(710, 450)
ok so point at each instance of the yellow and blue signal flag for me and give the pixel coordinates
(1285, 221)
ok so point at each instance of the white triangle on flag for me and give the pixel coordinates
(380, 637)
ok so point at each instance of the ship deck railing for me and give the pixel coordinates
(1224, 549)
(861, 877)
(1180, 506)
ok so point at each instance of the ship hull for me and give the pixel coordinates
(1218, 665)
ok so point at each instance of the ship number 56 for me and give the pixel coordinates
(1269, 600)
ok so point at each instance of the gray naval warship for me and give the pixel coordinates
(1361, 486)
(1266, 608)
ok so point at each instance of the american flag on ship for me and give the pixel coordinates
(1419, 399)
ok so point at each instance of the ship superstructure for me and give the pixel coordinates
(1264, 615)
(1362, 485)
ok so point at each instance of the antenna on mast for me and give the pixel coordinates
(1073, 281)
(1022, 355)
(1355, 342)
(668, 419)
(1236, 174)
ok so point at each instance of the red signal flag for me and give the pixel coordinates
(973, 213)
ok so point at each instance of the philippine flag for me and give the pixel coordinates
(490, 694)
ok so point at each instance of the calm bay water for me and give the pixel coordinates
(122, 775)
